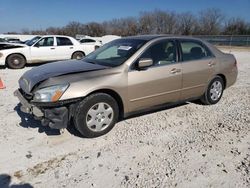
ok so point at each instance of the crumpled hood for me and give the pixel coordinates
(6, 45)
(43, 72)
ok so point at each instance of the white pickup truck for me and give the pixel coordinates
(42, 49)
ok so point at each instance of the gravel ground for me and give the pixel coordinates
(187, 146)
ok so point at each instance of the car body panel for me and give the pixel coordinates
(154, 86)
(44, 72)
(195, 77)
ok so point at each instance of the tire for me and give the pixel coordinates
(78, 55)
(214, 91)
(96, 115)
(16, 61)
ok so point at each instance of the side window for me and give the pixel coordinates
(47, 41)
(63, 41)
(87, 40)
(162, 53)
(192, 50)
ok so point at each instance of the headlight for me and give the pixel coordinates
(50, 94)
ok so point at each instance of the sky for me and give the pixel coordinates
(16, 15)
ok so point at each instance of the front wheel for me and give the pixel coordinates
(16, 61)
(96, 115)
(214, 91)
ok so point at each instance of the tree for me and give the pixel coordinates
(146, 23)
(157, 22)
(236, 26)
(187, 24)
(165, 22)
(25, 31)
(93, 29)
(73, 28)
(207, 22)
(210, 21)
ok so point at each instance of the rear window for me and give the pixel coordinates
(63, 41)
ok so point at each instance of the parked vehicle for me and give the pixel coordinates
(43, 49)
(2, 40)
(93, 42)
(124, 77)
(13, 40)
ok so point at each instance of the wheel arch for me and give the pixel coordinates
(224, 79)
(116, 96)
(77, 51)
(6, 59)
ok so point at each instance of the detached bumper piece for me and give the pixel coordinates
(56, 117)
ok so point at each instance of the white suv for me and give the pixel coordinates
(44, 49)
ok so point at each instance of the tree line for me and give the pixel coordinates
(207, 22)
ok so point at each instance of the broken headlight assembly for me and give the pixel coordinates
(50, 94)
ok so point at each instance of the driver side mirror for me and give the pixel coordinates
(145, 63)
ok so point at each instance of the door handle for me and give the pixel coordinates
(174, 71)
(71, 47)
(52, 48)
(211, 63)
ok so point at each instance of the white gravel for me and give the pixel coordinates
(187, 146)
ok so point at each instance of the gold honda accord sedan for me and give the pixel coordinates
(124, 77)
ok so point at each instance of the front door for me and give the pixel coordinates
(158, 84)
(43, 50)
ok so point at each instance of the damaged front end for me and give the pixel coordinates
(6, 46)
(42, 88)
(56, 115)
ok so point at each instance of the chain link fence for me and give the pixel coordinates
(227, 40)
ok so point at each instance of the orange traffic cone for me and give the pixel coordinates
(2, 86)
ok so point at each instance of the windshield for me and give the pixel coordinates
(32, 41)
(2, 40)
(115, 53)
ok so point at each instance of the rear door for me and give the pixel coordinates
(160, 83)
(64, 48)
(88, 45)
(197, 67)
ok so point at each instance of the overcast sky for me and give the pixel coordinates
(16, 15)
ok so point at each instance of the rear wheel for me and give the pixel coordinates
(16, 61)
(214, 91)
(96, 115)
(78, 55)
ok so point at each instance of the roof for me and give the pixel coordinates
(151, 37)
(145, 37)
(54, 36)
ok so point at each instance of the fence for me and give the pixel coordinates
(227, 40)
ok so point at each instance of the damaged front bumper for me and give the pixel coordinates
(54, 115)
